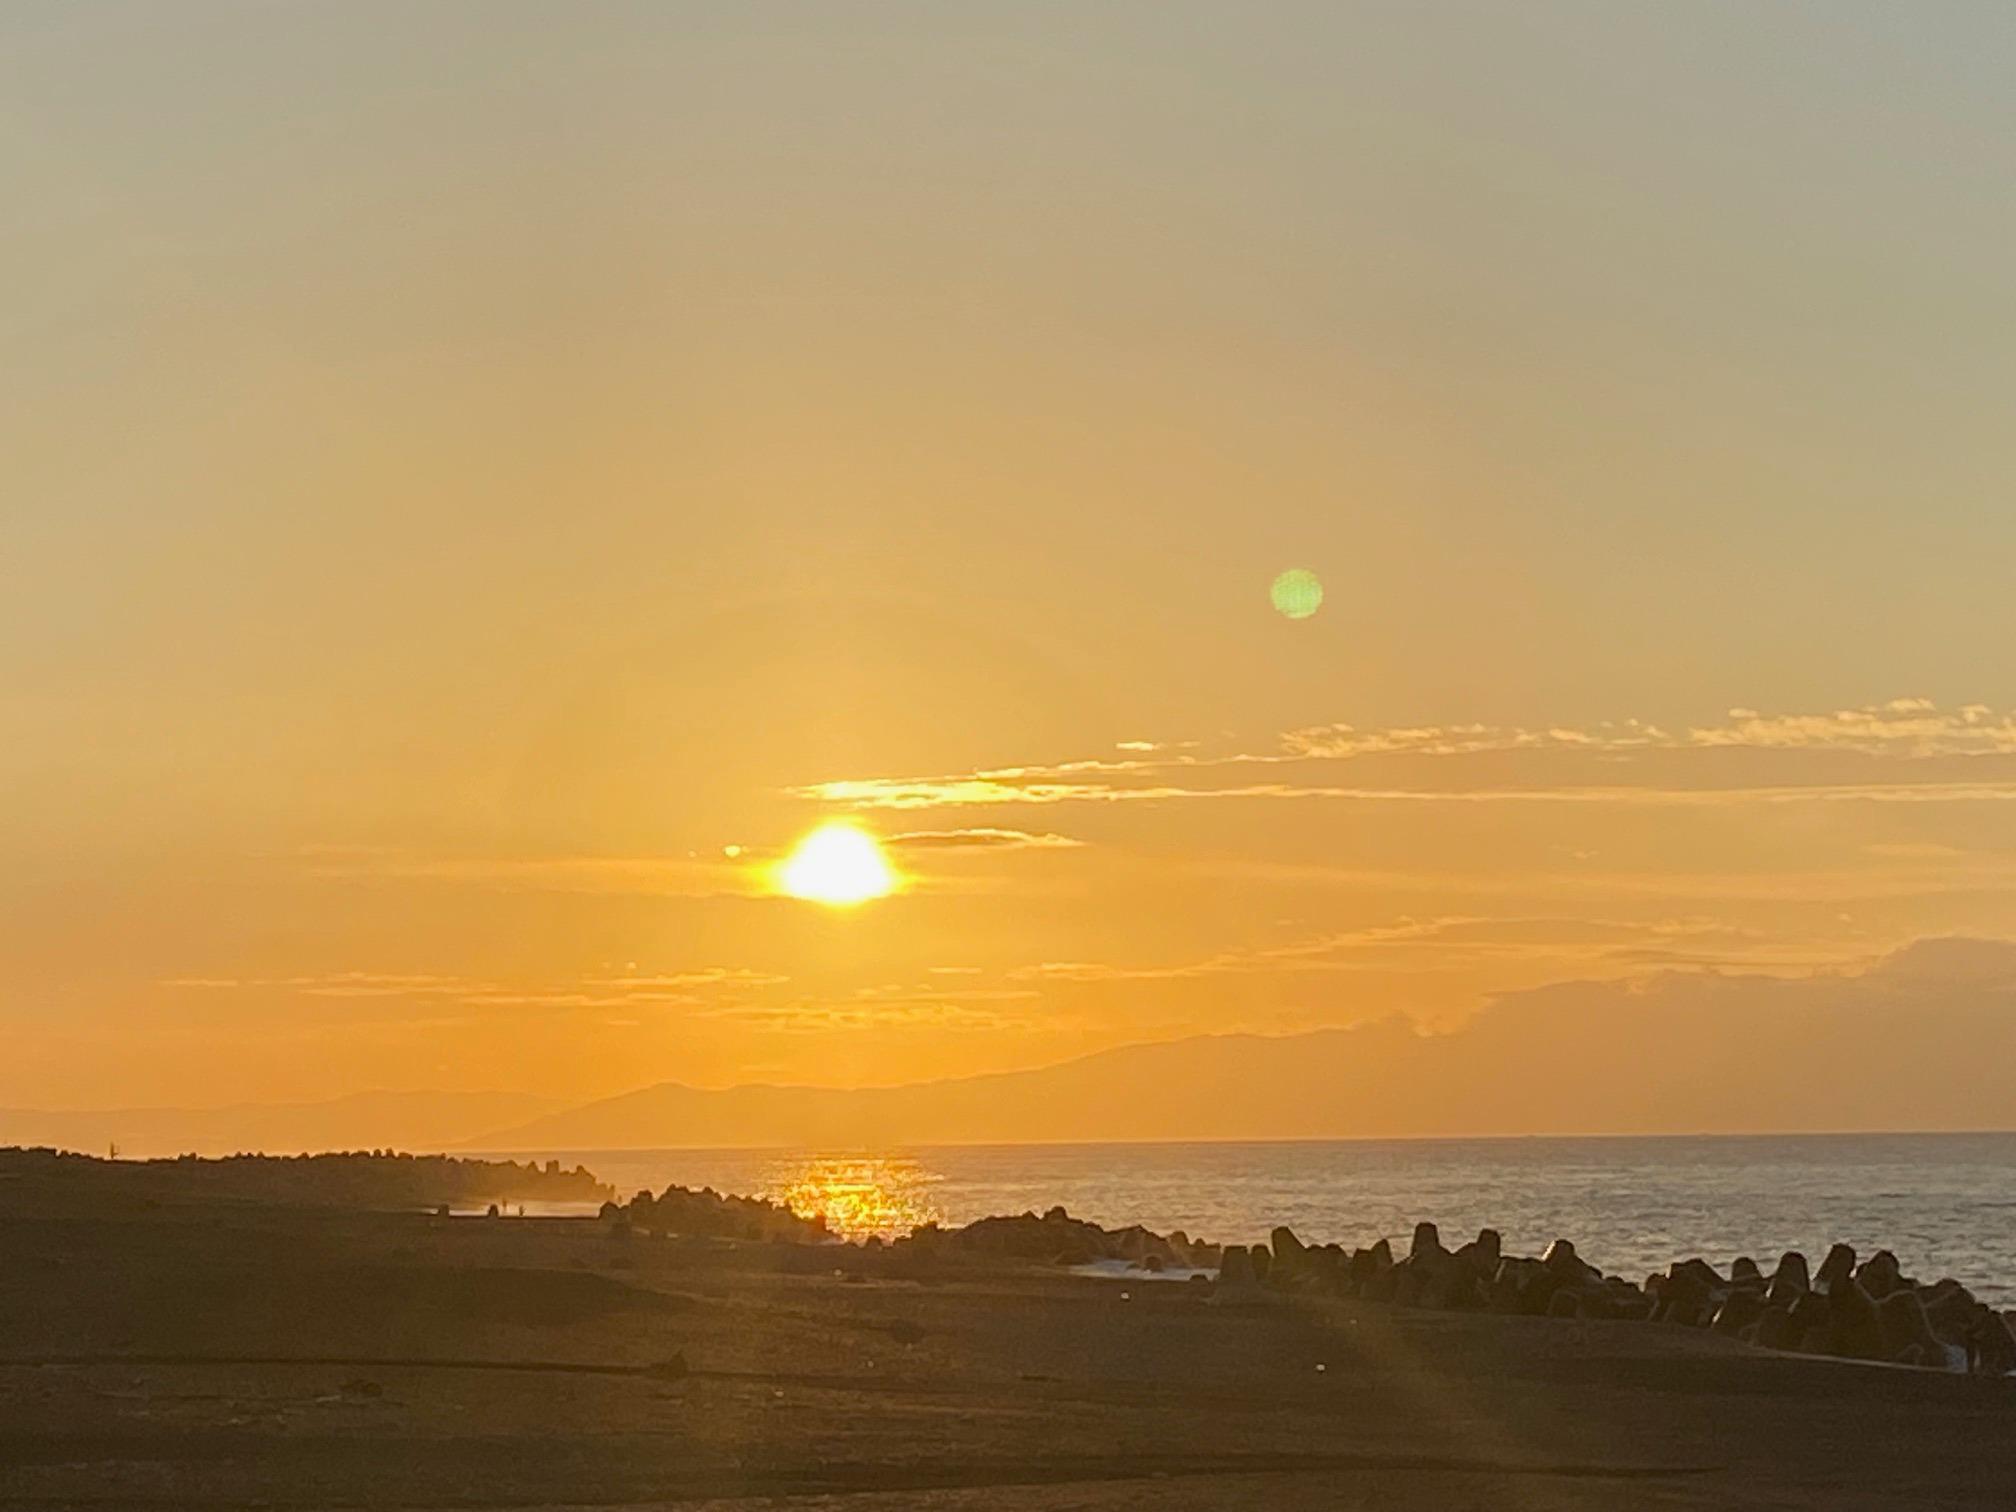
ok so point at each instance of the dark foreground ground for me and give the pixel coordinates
(203, 1357)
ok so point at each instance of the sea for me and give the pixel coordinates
(1944, 1203)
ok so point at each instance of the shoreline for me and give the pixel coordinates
(215, 1356)
(1849, 1307)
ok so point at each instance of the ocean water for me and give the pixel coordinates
(1945, 1203)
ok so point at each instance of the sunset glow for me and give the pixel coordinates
(1363, 520)
(858, 1196)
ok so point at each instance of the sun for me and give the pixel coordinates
(838, 865)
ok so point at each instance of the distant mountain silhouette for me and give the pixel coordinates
(365, 1120)
(1922, 1040)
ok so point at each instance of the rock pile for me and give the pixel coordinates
(1057, 1238)
(706, 1213)
(1866, 1311)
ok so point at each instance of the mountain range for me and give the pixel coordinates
(1924, 1039)
(1920, 1039)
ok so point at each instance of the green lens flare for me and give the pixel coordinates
(1297, 593)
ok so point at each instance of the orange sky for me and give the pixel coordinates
(468, 469)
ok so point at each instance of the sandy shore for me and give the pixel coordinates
(207, 1356)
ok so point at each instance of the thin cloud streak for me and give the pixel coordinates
(1588, 943)
(915, 794)
(982, 838)
(1902, 730)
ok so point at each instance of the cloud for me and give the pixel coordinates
(344, 984)
(710, 976)
(817, 1016)
(1343, 742)
(658, 876)
(1904, 727)
(980, 838)
(1603, 763)
(631, 991)
(914, 793)
(1618, 946)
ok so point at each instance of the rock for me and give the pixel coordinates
(1263, 1262)
(1565, 1303)
(1740, 1310)
(1949, 1310)
(1855, 1332)
(1991, 1345)
(1323, 1268)
(1135, 1244)
(1517, 1276)
(1528, 1286)
(1697, 1272)
(1365, 1273)
(1615, 1299)
(1381, 1284)
(1905, 1335)
(1808, 1323)
(1431, 1277)
(1482, 1255)
(1291, 1260)
(1689, 1293)
(1839, 1266)
(1774, 1327)
(1743, 1272)
(1427, 1242)
(1451, 1287)
(1235, 1267)
(1880, 1275)
(1053, 1239)
(1564, 1262)
(1791, 1280)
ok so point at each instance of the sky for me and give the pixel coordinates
(485, 480)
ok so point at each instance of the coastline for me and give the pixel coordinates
(220, 1356)
(1632, 1205)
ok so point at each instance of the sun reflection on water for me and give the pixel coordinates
(861, 1196)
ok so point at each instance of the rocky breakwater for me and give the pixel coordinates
(1869, 1310)
(1056, 1238)
(705, 1213)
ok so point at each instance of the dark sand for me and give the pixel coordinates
(198, 1356)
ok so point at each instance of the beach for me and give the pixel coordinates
(211, 1355)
